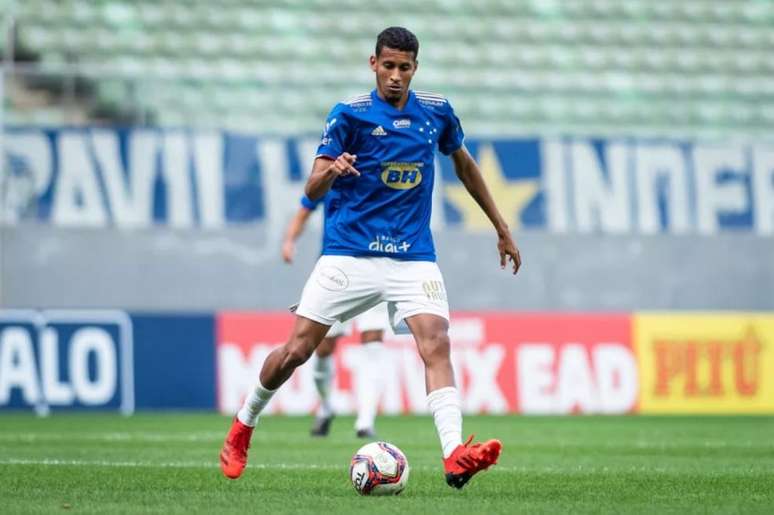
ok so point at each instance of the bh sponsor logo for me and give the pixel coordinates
(388, 244)
(401, 176)
(68, 359)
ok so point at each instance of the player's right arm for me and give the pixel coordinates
(325, 170)
(332, 160)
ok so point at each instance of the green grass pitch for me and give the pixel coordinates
(168, 463)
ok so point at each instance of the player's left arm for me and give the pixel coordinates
(467, 170)
(293, 231)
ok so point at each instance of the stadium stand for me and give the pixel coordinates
(594, 67)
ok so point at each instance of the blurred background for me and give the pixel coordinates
(152, 153)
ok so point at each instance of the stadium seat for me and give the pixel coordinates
(643, 58)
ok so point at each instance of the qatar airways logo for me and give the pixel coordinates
(389, 245)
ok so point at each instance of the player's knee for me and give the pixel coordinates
(297, 352)
(435, 347)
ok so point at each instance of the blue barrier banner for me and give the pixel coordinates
(136, 177)
(66, 359)
(175, 361)
(105, 360)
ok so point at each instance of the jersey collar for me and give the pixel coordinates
(389, 107)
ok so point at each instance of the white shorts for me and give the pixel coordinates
(342, 287)
(375, 319)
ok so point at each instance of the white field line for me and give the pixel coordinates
(175, 464)
(203, 436)
(213, 465)
(192, 464)
(179, 464)
(212, 436)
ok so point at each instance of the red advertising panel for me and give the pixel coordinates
(529, 363)
(566, 363)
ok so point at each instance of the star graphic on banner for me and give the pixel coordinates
(510, 196)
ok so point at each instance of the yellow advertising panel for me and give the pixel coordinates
(705, 362)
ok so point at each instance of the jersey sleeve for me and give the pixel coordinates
(452, 136)
(335, 136)
(310, 204)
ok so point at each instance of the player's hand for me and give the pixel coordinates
(342, 166)
(288, 251)
(508, 250)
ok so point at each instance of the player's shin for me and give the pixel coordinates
(446, 406)
(277, 368)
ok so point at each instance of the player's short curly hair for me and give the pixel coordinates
(397, 38)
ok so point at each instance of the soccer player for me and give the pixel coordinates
(375, 166)
(371, 325)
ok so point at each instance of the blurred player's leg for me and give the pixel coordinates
(370, 382)
(324, 371)
(277, 368)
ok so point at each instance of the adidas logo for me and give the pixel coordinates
(379, 131)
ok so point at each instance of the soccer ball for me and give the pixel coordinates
(379, 468)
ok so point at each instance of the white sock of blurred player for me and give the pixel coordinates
(370, 383)
(323, 377)
(446, 406)
(254, 404)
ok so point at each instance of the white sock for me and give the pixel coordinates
(446, 407)
(323, 377)
(370, 385)
(254, 404)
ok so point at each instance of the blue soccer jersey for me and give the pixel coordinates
(386, 210)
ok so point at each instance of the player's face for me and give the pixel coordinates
(394, 70)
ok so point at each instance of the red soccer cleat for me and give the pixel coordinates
(233, 456)
(467, 460)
